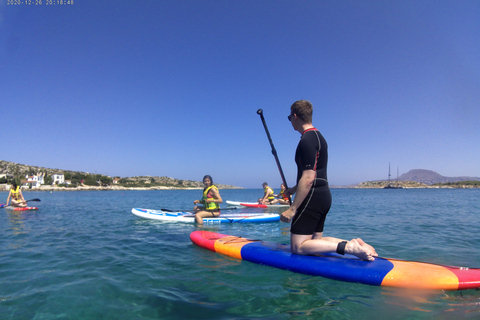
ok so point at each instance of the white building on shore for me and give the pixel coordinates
(6, 175)
(58, 178)
(34, 181)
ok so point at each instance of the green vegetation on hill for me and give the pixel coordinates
(75, 178)
(461, 184)
(382, 184)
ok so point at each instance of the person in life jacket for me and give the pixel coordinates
(268, 195)
(16, 195)
(210, 203)
(282, 197)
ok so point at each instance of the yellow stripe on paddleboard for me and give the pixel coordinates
(231, 246)
(408, 274)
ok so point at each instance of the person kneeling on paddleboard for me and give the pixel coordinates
(313, 199)
(210, 201)
(17, 196)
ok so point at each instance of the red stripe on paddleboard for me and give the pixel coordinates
(206, 239)
(25, 209)
(467, 278)
(254, 205)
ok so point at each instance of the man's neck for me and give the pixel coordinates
(304, 127)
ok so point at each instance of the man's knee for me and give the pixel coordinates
(296, 248)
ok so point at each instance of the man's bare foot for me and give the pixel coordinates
(355, 248)
(368, 247)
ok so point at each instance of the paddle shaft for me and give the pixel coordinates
(274, 151)
(190, 210)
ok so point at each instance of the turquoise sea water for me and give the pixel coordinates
(83, 255)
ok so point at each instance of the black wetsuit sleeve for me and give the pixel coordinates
(307, 153)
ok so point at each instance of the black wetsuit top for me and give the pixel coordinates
(312, 154)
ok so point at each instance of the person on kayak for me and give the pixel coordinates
(268, 195)
(17, 196)
(313, 198)
(210, 203)
(282, 197)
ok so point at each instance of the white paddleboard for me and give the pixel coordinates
(189, 217)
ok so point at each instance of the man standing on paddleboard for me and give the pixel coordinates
(313, 198)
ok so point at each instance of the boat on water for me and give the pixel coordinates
(389, 185)
(392, 187)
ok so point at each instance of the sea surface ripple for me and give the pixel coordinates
(83, 255)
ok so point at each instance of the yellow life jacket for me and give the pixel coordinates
(209, 205)
(16, 194)
(270, 196)
(283, 195)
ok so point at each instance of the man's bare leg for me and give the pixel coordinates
(315, 244)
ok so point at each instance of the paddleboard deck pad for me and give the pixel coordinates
(189, 217)
(255, 205)
(21, 209)
(381, 272)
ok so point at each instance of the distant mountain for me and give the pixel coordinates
(431, 177)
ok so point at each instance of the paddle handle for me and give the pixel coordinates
(274, 151)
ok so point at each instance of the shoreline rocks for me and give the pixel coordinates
(107, 188)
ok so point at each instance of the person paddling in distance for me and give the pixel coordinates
(313, 199)
(268, 195)
(17, 196)
(210, 201)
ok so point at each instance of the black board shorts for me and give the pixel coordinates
(310, 216)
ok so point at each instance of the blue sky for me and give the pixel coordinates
(171, 88)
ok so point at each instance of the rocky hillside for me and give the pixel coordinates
(7, 167)
(420, 178)
(167, 181)
(18, 170)
(431, 177)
